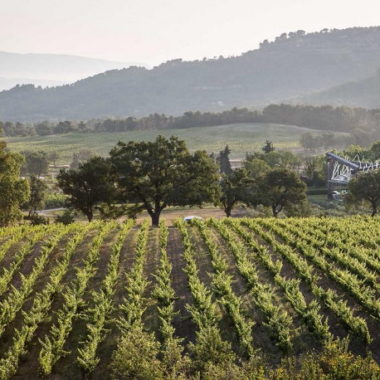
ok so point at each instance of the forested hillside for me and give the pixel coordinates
(362, 93)
(292, 65)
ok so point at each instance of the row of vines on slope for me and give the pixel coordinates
(41, 304)
(209, 346)
(221, 282)
(309, 312)
(98, 316)
(53, 344)
(364, 294)
(329, 297)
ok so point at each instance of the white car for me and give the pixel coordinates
(191, 217)
(337, 196)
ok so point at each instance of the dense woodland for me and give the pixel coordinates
(292, 65)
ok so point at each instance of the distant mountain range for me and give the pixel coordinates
(295, 65)
(51, 69)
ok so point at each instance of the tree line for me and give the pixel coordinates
(152, 122)
(362, 125)
(312, 143)
(152, 176)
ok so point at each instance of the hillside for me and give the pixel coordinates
(241, 138)
(209, 284)
(292, 65)
(52, 68)
(363, 93)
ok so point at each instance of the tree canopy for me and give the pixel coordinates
(234, 189)
(163, 173)
(36, 163)
(37, 194)
(224, 161)
(365, 188)
(280, 189)
(88, 186)
(13, 189)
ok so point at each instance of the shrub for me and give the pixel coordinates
(335, 362)
(302, 209)
(36, 220)
(210, 349)
(66, 218)
(136, 357)
(176, 365)
(55, 200)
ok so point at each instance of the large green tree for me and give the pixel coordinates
(307, 141)
(88, 186)
(256, 167)
(375, 150)
(365, 188)
(14, 191)
(310, 166)
(36, 163)
(37, 194)
(53, 157)
(162, 173)
(234, 189)
(224, 160)
(280, 189)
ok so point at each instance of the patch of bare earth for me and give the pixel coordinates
(184, 326)
(152, 263)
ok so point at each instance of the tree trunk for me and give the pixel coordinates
(228, 207)
(90, 215)
(274, 211)
(155, 218)
(374, 210)
(228, 211)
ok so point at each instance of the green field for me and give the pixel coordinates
(241, 138)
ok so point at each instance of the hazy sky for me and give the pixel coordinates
(153, 31)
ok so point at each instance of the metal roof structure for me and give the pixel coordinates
(340, 170)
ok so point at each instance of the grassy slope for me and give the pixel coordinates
(241, 138)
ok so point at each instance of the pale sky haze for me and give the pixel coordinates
(153, 31)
